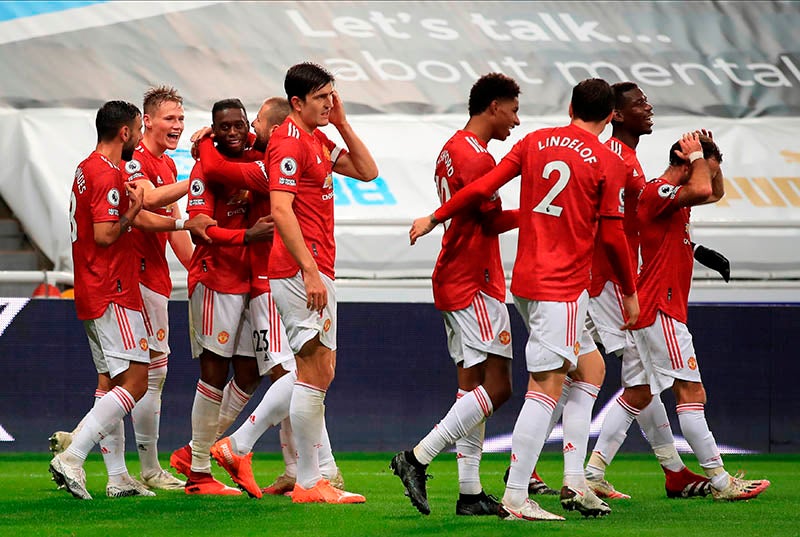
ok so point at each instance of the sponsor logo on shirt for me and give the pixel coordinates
(287, 182)
(113, 212)
(289, 166)
(133, 166)
(622, 200)
(196, 187)
(223, 337)
(504, 337)
(113, 197)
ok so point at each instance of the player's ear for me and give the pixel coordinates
(297, 103)
(618, 116)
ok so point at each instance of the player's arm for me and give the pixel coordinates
(216, 169)
(357, 162)
(697, 190)
(106, 233)
(467, 197)
(162, 196)
(197, 225)
(261, 231)
(292, 236)
(611, 237)
(497, 222)
(181, 243)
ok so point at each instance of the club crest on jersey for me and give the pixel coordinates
(113, 197)
(223, 337)
(504, 337)
(328, 181)
(622, 200)
(327, 325)
(692, 363)
(143, 344)
(576, 349)
(666, 191)
(197, 187)
(133, 166)
(161, 334)
(289, 166)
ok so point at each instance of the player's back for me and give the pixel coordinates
(564, 174)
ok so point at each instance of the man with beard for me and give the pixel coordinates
(107, 297)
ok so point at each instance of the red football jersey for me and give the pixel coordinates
(150, 247)
(302, 163)
(667, 256)
(223, 268)
(568, 179)
(634, 182)
(470, 257)
(102, 274)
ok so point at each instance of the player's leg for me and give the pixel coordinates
(473, 333)
(146, 415)
(240, 388)
(215, 318)
(120, 336)
(674, 364)
(549, 353)
(312, 338)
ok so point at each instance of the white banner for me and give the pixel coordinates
(757, 224)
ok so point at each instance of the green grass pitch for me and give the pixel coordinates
(30, 504)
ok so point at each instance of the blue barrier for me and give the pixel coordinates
(395, 380)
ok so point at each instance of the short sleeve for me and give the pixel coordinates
(612, 194)
(107, 194)
(658, 198)
(201, 197)
(285, 164)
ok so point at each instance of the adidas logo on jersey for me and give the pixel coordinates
(319, 160)
(635, 173)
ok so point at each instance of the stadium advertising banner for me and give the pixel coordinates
(731, 59)
(385, 404)
(404, 70)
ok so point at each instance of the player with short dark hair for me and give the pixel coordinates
(666, 355)
(570, 193)
(107, 295)
(469, 288)
(300, 162)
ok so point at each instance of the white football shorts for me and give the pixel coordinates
(117, 338)
(478, 330)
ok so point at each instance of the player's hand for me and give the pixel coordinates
(316, 293)
(135, 195)
(197, 226)
(197, 137)
(336, 114)
(713, 260)
(705, 132)
(263, 230)
(630, 305)
(420, 226)
(689, 142)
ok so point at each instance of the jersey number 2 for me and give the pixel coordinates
(545, 206)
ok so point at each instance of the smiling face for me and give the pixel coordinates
(164, 127)
(504, 118)
(636, 115)
(230, 130)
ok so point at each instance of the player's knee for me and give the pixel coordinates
(157, 376)
(637, 396)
